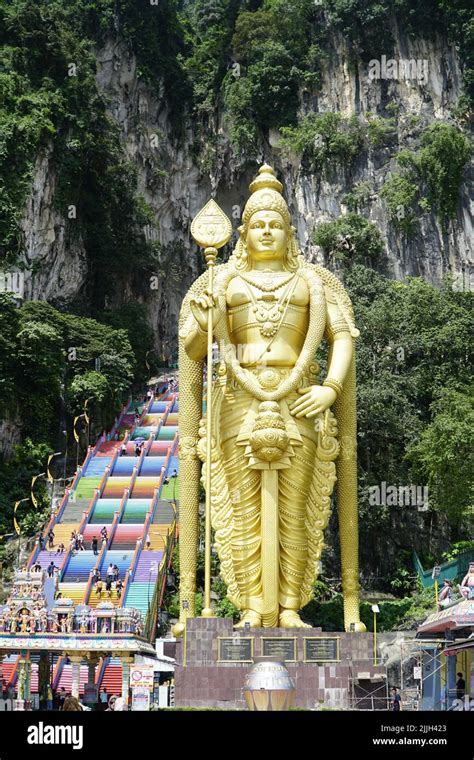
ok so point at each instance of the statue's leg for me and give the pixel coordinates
(244, 486)
(294, 485)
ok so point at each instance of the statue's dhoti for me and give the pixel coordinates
(266, 510)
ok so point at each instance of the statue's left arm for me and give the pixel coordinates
(318, 398)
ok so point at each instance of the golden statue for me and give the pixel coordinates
(275, 443)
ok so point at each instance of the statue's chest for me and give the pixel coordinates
(269, 310)
(240, 293)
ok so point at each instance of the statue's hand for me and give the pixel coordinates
(200, 306)
(313, 401)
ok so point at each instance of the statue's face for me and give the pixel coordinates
(267, 236)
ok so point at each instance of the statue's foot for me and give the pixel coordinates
(356, 627)
(249, 616)
(178, 630)
(291, 619)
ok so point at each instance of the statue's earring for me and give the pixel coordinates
(242, 255)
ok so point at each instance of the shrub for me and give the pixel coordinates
(325, 139)
(350, 239)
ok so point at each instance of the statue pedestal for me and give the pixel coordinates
(329, 669)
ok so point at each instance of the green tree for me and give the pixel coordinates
(443, 455)
(350, 239)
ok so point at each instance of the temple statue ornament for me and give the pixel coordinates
(279, 438)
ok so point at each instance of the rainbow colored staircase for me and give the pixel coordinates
(133, 496)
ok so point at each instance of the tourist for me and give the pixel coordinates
(446, 594)
(51, 568)
(94, 545)
(460, 686)
(148, 541)
(61, 697)
(80, 540)
(60, 549)
(51, 538)
(112, 702)
(108, 585)
(110, 571)
(396, 703)
(42, 543)
(123, 449)
(104, 698)
(116, 572)
(104, 533)
(137, 450)
(119, 587)
(37, 567)
(467, 586)
(71, 704)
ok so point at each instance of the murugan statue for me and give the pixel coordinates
(280, 438)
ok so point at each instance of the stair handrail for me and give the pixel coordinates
(449, 569)
(87, 459)
(141, 458)
(13, 674)
(114, 458)
(100, 671)
(104, 479)
(119, 419)
(57, 671)
(118, 514)
(52, 521)
(133, 478)
(156, 495)
(63, 505)
(77, 477)
(149, 444)
(146, 526)
(113, 528)
(131, 569)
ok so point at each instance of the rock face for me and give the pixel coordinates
(173, 180)
(56, 266)
(10, 435)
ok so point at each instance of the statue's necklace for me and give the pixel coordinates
(270, 311)
(269, 283)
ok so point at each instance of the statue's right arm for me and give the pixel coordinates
(195, 342)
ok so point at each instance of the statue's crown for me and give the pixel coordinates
(266, 178)
(266, 195)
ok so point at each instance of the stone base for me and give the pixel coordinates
(202, 680)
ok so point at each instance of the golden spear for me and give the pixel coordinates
(211, 229)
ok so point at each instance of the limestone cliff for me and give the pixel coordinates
(176, 180)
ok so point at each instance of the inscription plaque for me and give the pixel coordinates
(279, 648)
(235, 649)
(321, 649)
